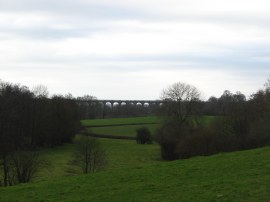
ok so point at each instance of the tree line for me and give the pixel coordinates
(30, 119)
(238, 123)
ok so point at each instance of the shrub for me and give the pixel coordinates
(202, 142)
(220, 136)
(143, 136)
(169, 135)
(184, 141)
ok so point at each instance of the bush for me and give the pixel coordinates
(168, 137)
(184, 141)
(219, 136)
(202, 142)
(143, 136)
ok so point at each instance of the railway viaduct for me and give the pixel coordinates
(112, 103)
(150, 104)
(144, 103)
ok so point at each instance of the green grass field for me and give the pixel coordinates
(121, 154)
(117, 121)
(237, 176)
(127, 130)
(206, 120)
(126, 154)
(57, 159)
(113, 126)
(136, 172)
(125, 127)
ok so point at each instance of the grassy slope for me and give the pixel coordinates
(129, 130)
(122, 154)
(57, 159)
(238, 176)
(126, 154)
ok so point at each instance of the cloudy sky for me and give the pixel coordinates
(132, 49)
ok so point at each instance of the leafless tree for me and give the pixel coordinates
(267, 84)
(180, 100)
(40, 91)
(89, 157)
(89, 107)
(25, 165)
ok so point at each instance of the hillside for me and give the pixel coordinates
(237, 176)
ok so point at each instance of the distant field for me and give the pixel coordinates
(128, 126)
(206, 120)
(121, 127)
(136, 175)
(127, 130)
(119, 121)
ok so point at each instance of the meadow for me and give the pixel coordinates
(121, 154)
(127, 130)
(128, 126)
(136, 172)
(237, 176)
(121, 127)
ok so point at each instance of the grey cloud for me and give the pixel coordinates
(84, 18)
(233, 61)
(238, 57)
(88, 17)
(48, 33)
(70, 8)
(90, 10)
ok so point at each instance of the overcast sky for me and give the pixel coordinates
(132, 49)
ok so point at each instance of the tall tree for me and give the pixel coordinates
(180, 102)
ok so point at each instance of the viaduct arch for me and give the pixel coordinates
(119, 103)
(143, 103)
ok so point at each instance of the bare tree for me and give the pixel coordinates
(25, 165)
(89, 107)
(181, 92)
(89, 157)
(267, 84)
(180, 102)
(180, 99)
(40, 91)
